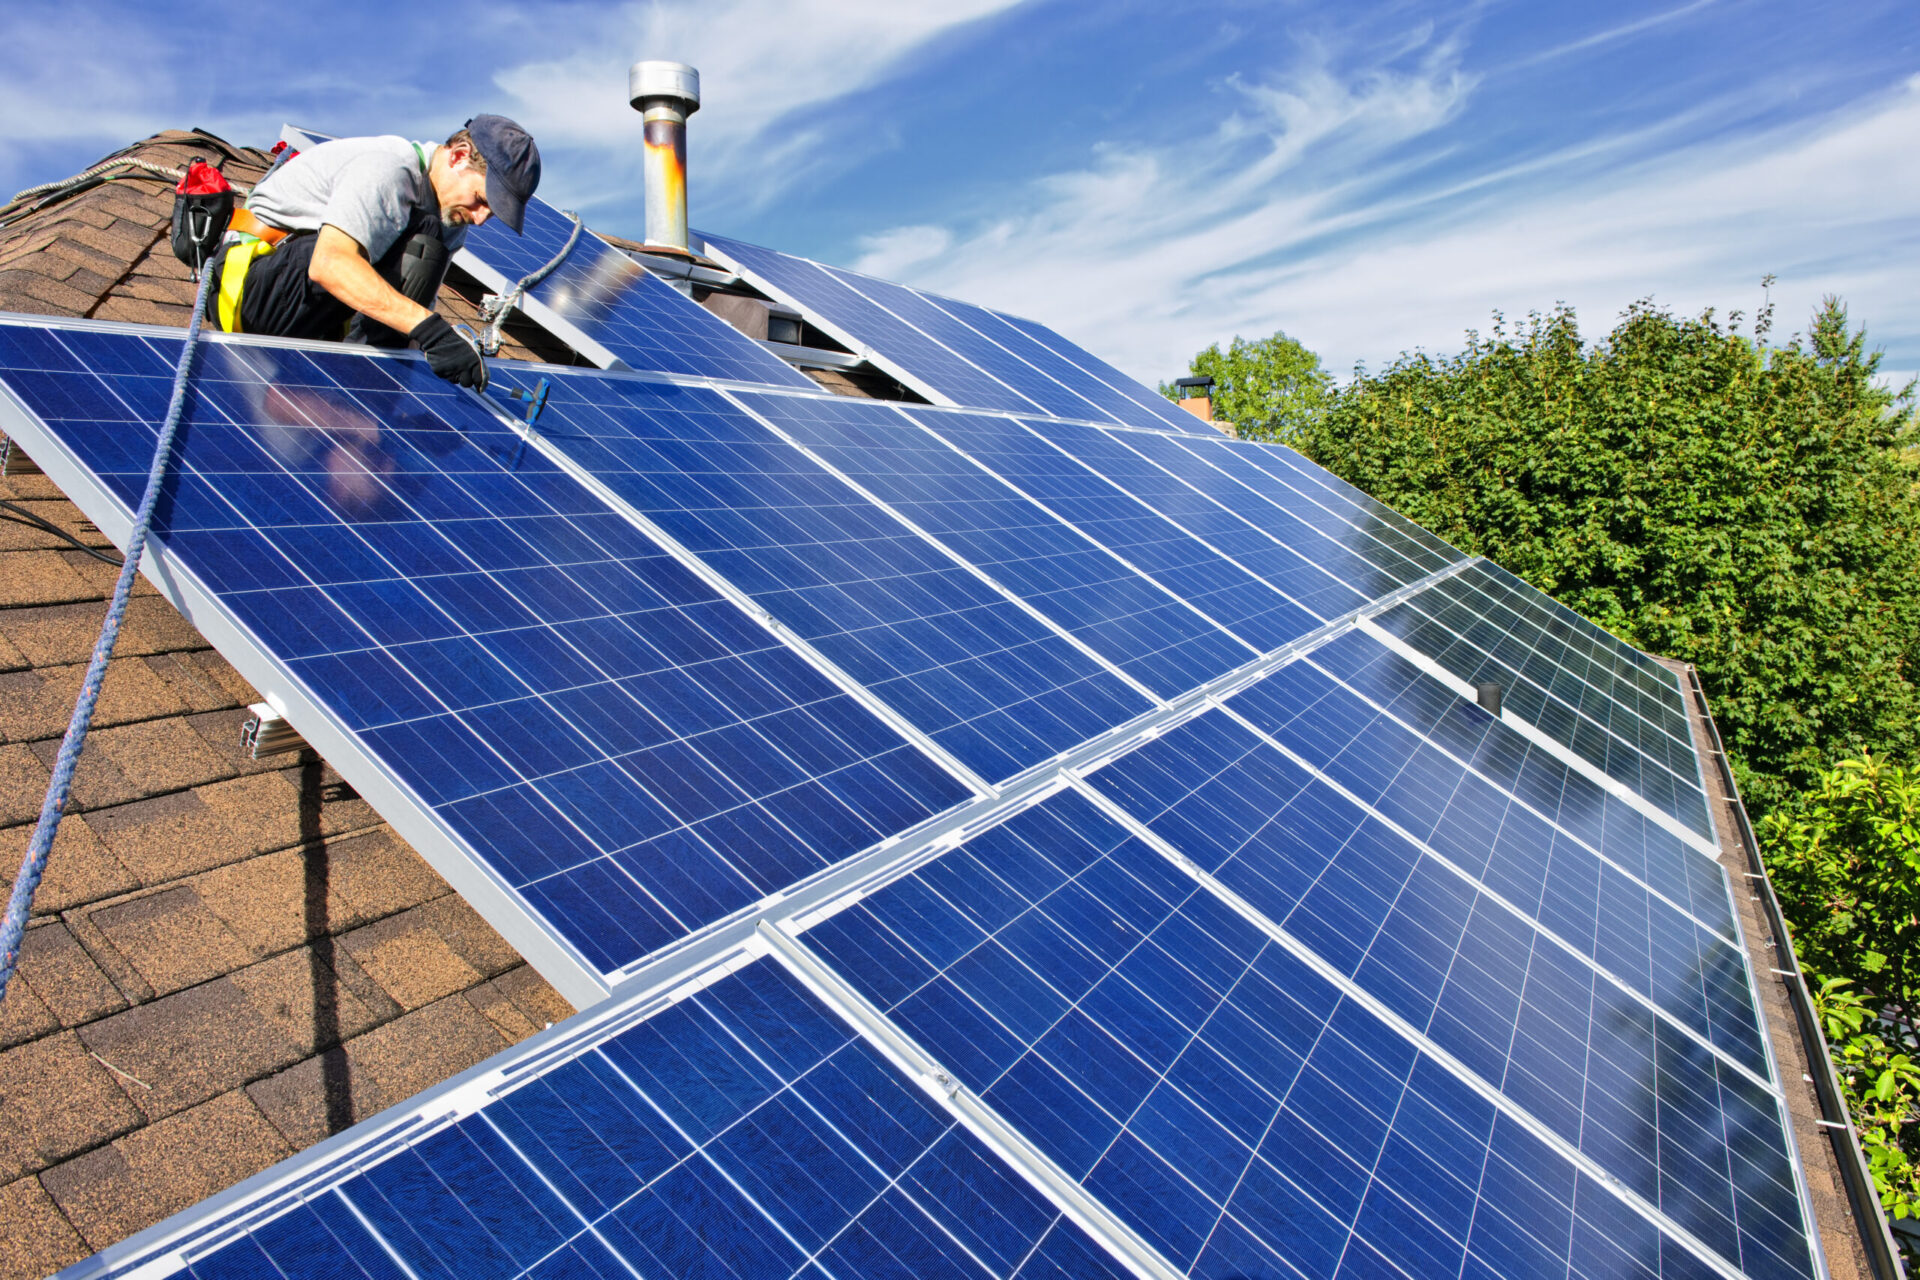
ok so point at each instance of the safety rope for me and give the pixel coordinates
(87, 177)
(497, 309)
(13, 927)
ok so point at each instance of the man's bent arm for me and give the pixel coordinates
(340, 267)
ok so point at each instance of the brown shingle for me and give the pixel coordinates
(190, 1046)
(79, 869)
(170, 938)
(111, 1193)
(310, 996)
(53, 635)
(535, 996)
(167, 837)
(161, 755)
(410, 959)
(23, 1016)
(35, 1238)
(42, 577)
(318, 1097)
(65, 978)
(55, 1100)
(426, 1046)
(37, 704)
(23, 782)
(382, 874)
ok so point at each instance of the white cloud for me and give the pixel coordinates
(761, 63)
(1149, 255)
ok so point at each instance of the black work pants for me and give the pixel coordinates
(280, 301)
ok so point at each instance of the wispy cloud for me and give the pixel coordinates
(1151, 254)
(765, 65)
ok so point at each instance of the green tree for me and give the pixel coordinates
(1268, 389)
(1845, 860)
(1742, 507)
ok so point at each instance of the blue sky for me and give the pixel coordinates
(1147, 177)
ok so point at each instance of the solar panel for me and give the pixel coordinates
(602, 302)
(534, 685)
(986, 681)
(1158, 406)
(739, 1130)
(1579, 690)
(865, 327)
(1015, 847)
(1140, 627)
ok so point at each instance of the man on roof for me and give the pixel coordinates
(350, 239)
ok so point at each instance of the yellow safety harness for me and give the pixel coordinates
(254, 240)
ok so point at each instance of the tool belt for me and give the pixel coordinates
(247, 225)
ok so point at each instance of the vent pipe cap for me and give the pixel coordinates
(675, 82)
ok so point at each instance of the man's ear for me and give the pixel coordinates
(458, 157)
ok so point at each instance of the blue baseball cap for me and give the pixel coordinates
(513, 166)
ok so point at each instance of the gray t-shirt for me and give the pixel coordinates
(367, 187)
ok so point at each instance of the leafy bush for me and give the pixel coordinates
(1845, 861)
(1876, 1062)
(1741, 507)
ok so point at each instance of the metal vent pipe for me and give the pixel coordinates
(665, 94)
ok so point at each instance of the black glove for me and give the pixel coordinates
(450, 355)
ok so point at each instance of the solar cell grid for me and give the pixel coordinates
(1369, 566)
(1170, 415)
(956, 658)
(630, 754)
(612, 300)
(922, 362)
(1217, 586)
(1200, 1079)
(978, 350)
(1261, 467)
(1466, 632)
(1120, 614)
(1687, 967)
(1573, 801)
(1289, 466)
(1629, 1089)
(1258, 547)
(1113, 404)
(743, 1131)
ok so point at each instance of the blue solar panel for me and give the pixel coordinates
(1370, 566)
(960, 661)
(1338, 496)
(1251, 532)
(1627, 1087)
(1619, 717)
(630, 754)
(1118, 405)
(1221, 588)
(612, 300)
(989, 356)
(1122, 615)
(955, 351)
(1170, 415)
(741, 1132)
(1322, 972)
(1239, 1110)
(908, 353)
(1600, 817)
(1691, 967)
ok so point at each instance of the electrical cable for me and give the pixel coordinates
(20, 515)
(498, 308)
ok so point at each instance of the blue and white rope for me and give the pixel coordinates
(14, 927)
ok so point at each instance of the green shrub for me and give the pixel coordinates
(1741, 507)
